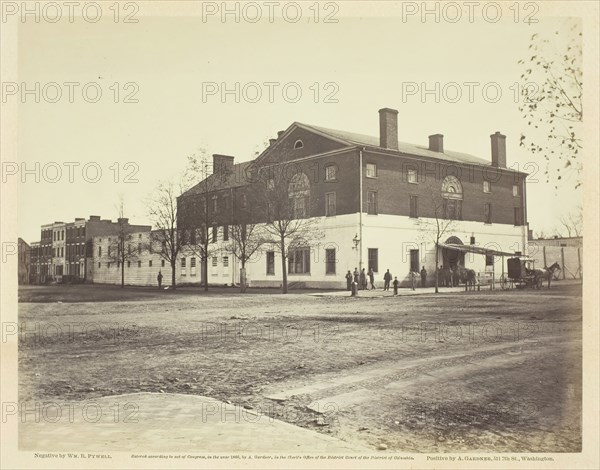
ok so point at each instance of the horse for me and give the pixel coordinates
(466, 276)
(546, 273)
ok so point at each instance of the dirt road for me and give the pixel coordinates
(488, 371)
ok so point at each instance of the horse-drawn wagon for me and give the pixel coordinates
(520, 276)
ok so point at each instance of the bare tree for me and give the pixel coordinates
(199, 211)
(552, 94)
(163, 210)
(573, 223)
(120, 250)
(246, 240)
(287, 205)
(442, 222)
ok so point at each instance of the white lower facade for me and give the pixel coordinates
(384, 241)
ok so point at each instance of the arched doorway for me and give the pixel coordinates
(452, 258)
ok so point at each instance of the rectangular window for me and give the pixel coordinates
(244, 201)
(487, 187)
(371, 202)
(192, 266)
(99, 264)
(139, 264)
(413, 207)
(489, 260)
(139, 248)
(225, 233)
(330, 261)
(299, 261)
(516, 192)
(411, 176)
(271, 263)
(215, 261)
(215, 204)
(487, 213)
(183, 267)
(453, 209)
(371, 170)
(330, 173)
(329, 204)
(215, 230)
(414, 261)
(374, 259)
(129, 264)
(517, 212)
(150, 263)
(225, 261)
(162, 263)
(183, 262)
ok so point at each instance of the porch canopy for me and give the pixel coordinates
(478, 250)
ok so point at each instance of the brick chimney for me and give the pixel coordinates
(280, 133)
(123, 220)
(222, 163)
(436, 143)
(272, 141)
(498, 150)
(388, 128)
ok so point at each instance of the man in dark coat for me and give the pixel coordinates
(423, 276)
(395, 283)
(356, 275)
(387, 277)
(363, 279)
(159, 279)
(348, 280)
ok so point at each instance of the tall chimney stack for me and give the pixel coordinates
(436, 143)
(222, 163)
(388, 128)
(498, 150)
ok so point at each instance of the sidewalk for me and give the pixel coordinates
(164, 422)
(403, 291)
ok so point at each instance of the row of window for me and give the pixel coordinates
(412, 177)
(299, 261)
(139, 264)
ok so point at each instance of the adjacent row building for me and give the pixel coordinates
(65, 250)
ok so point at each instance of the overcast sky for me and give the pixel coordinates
(370, 60)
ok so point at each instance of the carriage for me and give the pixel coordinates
(520, 275)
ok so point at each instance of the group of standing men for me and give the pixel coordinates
(360, 278)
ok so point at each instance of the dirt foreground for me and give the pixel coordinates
(486, 372)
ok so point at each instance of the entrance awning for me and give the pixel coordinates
(479, 250)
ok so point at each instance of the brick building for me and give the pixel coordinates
(376, 201)
(65, 250)
(24, 266)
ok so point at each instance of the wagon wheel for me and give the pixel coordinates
(504, 282)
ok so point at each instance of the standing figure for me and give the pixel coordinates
(363, 279)
(387, 277)
(356, 275)
(423, 276)
(348, 280)
(395, 283)
(159, 279)
(372, 278)
(413, 279)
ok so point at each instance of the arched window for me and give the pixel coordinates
(299, 195)
(298, 144)
(452, 194)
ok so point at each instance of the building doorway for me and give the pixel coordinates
(453, 258)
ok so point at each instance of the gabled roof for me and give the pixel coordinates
(352, 139)
(238, 177)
